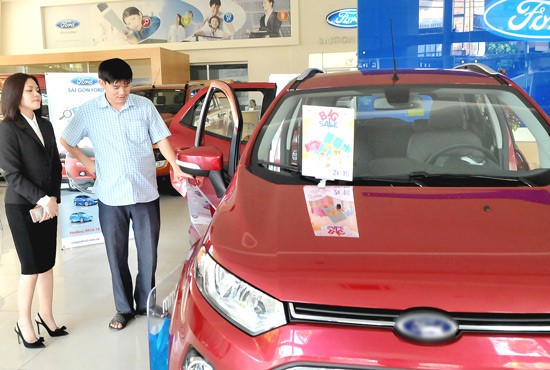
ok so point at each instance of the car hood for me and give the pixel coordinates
(456, 249)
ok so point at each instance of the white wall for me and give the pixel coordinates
(21, 33)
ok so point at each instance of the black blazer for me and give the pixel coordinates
(32, 170)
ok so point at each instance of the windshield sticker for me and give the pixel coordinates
(332, 211)
(327, 149)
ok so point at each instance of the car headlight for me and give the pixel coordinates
(248, 308)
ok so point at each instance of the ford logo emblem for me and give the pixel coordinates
(84, 81)
(519, 19)
(67, 23)
(426, 326)
(343, 18)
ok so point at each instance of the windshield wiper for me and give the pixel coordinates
(472, 179)
(395, 180)
(291, 169)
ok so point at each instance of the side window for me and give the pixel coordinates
(251, 104)
(218, 119)
(527, 151)
(191, 118)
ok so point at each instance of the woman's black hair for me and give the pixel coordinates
(210, 20)
(132, 10)
(12, 92)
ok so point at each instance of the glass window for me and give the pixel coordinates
(415, 129)
(219, 121)
(234, 72)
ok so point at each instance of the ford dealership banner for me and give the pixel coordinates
(78, 215)
(510, 36)
(161, 21)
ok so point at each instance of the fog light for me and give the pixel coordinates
(160, 163)
(82, 173)
(194, 361)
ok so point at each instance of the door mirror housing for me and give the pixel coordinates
(205, 162)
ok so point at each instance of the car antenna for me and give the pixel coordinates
(395, 77)
(155, 80)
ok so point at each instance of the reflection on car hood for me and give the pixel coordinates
(458, 249)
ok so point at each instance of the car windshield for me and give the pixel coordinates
(165, 100)
(416, 134)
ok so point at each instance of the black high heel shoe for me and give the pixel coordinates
(59, 332)
(38, 344)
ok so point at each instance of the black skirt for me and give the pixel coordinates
(35, 243)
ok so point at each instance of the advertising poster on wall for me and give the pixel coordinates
(78, 215)
(162, 21)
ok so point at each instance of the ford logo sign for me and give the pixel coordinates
(343, 18)
(67, 23)
(426, 326)
(519, 19)
(84, 81)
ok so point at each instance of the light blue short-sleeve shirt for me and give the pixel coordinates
(122, 143)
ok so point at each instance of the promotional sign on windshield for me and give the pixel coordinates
(332, 211)
(327, 145)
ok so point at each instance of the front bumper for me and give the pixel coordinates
(196, 326)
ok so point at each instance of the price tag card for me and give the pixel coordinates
(332, 211)
(327, 143)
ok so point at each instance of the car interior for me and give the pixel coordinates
(439, 131)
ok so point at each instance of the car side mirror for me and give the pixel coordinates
(205, 162)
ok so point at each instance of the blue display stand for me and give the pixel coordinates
(160, 305)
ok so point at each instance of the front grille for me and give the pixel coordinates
(379, 318)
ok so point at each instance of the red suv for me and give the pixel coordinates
(374, 220)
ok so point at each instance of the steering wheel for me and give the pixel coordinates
(433, 158)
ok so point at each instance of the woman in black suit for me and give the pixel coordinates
(32, 169)
(269, 21)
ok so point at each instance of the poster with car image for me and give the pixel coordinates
(78, 219)
(78, 209)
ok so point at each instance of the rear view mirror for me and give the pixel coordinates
(397, 95)
(413, 102)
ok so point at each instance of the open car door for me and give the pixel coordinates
(212, 166)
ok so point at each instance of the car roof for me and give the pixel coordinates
(159, 87)
(405, 76)
(178, 86)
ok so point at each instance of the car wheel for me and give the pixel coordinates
(81, 219)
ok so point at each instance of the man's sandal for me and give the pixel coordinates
(122, 319)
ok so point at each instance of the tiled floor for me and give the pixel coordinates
(83, 302)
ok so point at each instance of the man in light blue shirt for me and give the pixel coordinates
(122, 128)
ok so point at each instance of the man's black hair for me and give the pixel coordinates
(216, 2)
(112, 70)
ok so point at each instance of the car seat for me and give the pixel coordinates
(446, 128)
(161, 100)
(179, 98)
